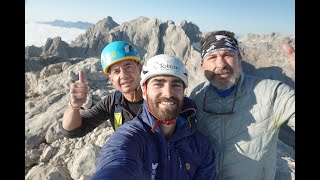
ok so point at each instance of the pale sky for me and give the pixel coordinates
(239, 16)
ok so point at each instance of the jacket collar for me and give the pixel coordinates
(207, 85)
(186, 123)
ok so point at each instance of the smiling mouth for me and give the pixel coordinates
(167, 103)
(226, 74)
(126, 83)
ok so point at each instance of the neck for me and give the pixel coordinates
(134, 96)
(223, 93)
(167, 130)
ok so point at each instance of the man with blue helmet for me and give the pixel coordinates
(120, 61)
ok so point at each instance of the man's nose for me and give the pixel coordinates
(220, 62)
(123, 72)
(167, 90)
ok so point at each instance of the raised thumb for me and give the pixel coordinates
(81, 76)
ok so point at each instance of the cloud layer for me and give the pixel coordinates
(37, 34)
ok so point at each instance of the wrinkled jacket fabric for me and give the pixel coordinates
(134, 152)
(245, 141)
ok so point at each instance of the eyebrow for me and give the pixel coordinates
(125, 64)
(162, 79)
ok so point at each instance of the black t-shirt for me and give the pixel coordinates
(134, 108)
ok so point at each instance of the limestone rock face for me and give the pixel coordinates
(49, 70)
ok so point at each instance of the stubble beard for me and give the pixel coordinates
(164, 114)
(224, 83)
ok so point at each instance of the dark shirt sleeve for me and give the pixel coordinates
(92, 118)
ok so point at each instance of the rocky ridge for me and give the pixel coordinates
(50, 69)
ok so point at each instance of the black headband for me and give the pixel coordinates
(220, 42)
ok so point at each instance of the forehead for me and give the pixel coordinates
(121, 63)
(219, 52)
(168, 78)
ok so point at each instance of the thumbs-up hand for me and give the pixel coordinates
(78, 92)
(289, 50)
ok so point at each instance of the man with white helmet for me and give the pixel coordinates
(162, 142)
(121, 63)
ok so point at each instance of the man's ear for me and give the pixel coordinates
(144, 90)
(110, 77)
(140, 67)
(185, 91)
(201, 64)
(240, 57)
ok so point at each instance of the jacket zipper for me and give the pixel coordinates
(169, 157)
(222, 150)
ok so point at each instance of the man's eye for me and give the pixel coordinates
(177, 85)
(157, 84)
(115, 72)
(212, 59)
(229, 55)
(129, 67)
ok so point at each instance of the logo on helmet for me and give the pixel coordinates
(126, 48)
(105, 58)
(113, 54)
(159, 65)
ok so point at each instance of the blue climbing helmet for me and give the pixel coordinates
(116, 52)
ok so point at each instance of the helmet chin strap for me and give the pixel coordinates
(134, 93)
(158, 121)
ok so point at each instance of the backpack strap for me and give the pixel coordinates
(117, 111)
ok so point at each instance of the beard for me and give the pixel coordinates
(165, 114)
(220, 82)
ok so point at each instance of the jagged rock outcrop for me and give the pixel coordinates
(48, 155)
(93, 41)
(58, 48)
(192, 30)
(32, 51)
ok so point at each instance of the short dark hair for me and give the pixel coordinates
(211, 35)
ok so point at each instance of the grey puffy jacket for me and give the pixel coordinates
(245, 141)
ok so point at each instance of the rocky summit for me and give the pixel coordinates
(50, 69)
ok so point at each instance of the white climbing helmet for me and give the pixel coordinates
(164, 64)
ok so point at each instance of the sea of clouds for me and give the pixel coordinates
(36, 34)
